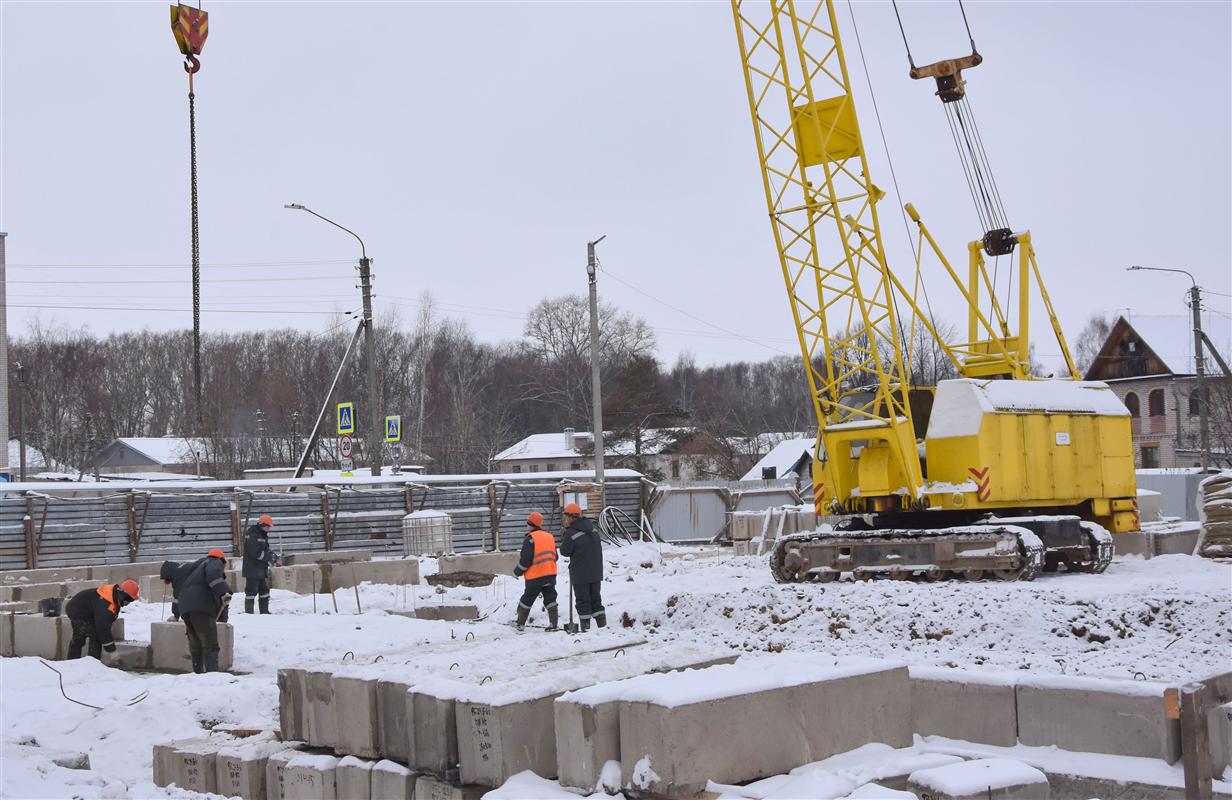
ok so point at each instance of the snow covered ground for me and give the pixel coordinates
(1168, 619)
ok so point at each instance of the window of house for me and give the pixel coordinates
(1155, 403)
(533, 468)
(1131, 402)
(575, 465)
(549, 467)
(675, 468)
(1150, 456)
(517, 467)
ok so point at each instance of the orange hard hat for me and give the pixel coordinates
(130, 588)
(573, 510)
(216, 553)
(535, 519)
(265, 519)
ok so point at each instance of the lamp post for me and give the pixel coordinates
(592, 266)
(21, 422)
(1195, 305)
(376, 433)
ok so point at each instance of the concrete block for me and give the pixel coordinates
(496, 742)
(392, 781)
(354, 703)
(450, 613)
(432, 731)
(392, 720)
(117, 629)
(194, 766)
(1219, 729)
(73, 587)
(130, 656)
(1094, 715)
(984, 779)
(320, 721)
(494, 563)
(45, 637)
(1132, 543)
(353, 779)
(241, 768)
(1165, 543)
(394, 572)
(118, 573)
(276, 773)
(170, 646)
(429, 788)
(326, 556)
(756, 718)
(291, 703)
(972, 706)
(152, 587)
(7, 647)
(32, 591)
(301, 580)
(19, 607)
(44, 575)
(310, 777)
(165, 760)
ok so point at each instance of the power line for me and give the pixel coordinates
(153, 308)
(70, 281)
(160, 265)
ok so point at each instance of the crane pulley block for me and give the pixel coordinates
(948, 73)
(190, 27)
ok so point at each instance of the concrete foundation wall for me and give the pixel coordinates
(492, 563)
(964, 705)
(495, 742)
(1096, 716)
(169, 641)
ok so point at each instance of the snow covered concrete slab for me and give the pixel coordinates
(756, 718)
(169, 641)
(392, 781)
(310, 777)
(332, 556)
(276, 773)
(355, 710)
(448, 613)
(1097, 715)
(353, 778)
(964, 704)
(393, 722)
(44, 575)
(494, 563)
(985, 779)
(240, 768)
(429, 788)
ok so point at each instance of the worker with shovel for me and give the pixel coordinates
(202, 596)
(537, 562)
(580, 544)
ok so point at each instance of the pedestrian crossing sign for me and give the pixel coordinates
(346, 418)
(393, 428)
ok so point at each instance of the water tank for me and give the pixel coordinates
(427, 533)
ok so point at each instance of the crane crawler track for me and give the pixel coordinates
(1004, 552)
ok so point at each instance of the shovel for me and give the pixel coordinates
(570, 627)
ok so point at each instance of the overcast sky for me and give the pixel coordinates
(476, 147)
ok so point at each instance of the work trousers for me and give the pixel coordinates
(587, 598)
(83, 630)
(201, 628)
(256, 587)
(545, 586)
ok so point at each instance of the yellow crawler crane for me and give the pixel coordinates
(995, 473)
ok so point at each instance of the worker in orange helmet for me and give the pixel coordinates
(581, 545)
(258, 558)
(202, 596)
(537, 562)
(92, 612)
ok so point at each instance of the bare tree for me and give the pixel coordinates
(1091, 340)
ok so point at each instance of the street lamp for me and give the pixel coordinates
(21, 422)
(1195, 305)
(377, 432)
(592, 265)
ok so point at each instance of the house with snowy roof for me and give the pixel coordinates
(1148, 361)
(143, 454)
(790, 458)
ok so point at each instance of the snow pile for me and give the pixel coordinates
(977, 777)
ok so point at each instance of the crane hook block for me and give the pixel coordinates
(190, 27)
(948, 74)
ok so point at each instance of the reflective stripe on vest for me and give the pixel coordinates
(107, 592)
(544, 562)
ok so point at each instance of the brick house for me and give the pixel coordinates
(1148, 363)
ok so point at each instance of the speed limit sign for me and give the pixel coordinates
(345, 445)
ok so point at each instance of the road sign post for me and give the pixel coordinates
(346, 418)
(346, 447)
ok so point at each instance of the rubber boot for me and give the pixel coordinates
(211, 661)
(585, 624)
(198, 663)
(263, 604)
(553, 618)
(247, 605)
(601, 619)
(523, 614)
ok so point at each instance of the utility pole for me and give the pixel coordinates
(592, 266)
(21, 422)
(376, 431)
(1204, 433)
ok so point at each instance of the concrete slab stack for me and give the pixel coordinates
(968, 705)
(1097, 716)
(984, 779)
(757, 718)
(170, 646)
(353, 778)
(241, 767)
(310, 777)
(392, 781)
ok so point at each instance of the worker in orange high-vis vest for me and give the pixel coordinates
(538, 563)
(92, 611)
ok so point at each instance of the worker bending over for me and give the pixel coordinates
(92, 611)
(200, 596)
(538, 563)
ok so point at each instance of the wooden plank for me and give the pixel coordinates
(1196, 699)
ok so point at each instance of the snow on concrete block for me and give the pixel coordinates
(392, 781)
(44, 575)
(291, 702)
(392, 720)
(450, 613)
(310, 777)
(241, 768)
(1095, 715)
(968, 705)
(354, 703)
(169, 641)
(194, 764)
(32, 591)
(276, 773)
(320, 721)
(495, 563)
(432, 731)
(130, 656)
(165, 759)
(756, 718)
(429, 788)
(396, 572)
(45, 637)
(985, 779)
(353, 779)
(118, 573)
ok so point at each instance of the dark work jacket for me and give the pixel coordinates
(89, 606)
(167, 572)
(580, 544)
(257, 555)
(200, 586)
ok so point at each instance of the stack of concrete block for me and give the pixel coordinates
(1000, 778)
(1096, 716)
(492, 563)
(169, 643)
(189, 763)
(967, 705)
(739, 722)
(325, 576)
(241, 766)
(353, 778)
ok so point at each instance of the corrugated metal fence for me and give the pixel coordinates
(49, 529)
